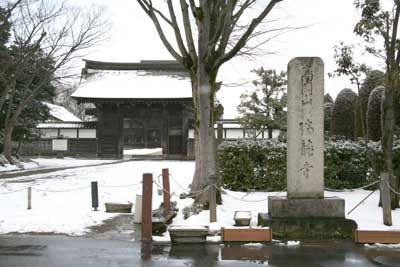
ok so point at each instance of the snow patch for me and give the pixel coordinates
(252, 245)
(214, 239)
(163, 238)
(25, 166)
(61, 113)
(144, 151)
(290, 243)
(383, 246)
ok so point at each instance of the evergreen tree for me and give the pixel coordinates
(373, 79)
(328, 109)
(328, 98)
(344, 114)
(264, 108)
(374, 113)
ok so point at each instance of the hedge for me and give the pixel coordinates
(261, 164)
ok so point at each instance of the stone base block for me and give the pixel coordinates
(282, 207)
(308, 228)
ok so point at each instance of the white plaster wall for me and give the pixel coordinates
(87, 133)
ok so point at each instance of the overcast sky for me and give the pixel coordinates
(133, 38)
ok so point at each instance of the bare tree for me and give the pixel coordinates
(222, 32)
(47, 38)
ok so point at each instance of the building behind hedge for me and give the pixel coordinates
(134, 106)
(137, 105)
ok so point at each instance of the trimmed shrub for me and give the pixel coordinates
(343, 114)
(328, 109)
(378, 156)
(261, 164)
(373, 79)
(328, 98)
(253, 165)
(346, 164)
(374, 125)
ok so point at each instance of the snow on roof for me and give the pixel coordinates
(61, 113)
(67, 125)
(134, 84)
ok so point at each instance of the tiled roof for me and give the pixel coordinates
(67, 125)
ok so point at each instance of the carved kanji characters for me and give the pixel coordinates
(305, 170)
(306, 127)
(306, 85)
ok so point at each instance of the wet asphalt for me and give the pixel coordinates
(50, 251)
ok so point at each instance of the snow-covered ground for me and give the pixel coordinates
(25, 166)
(61, 201)
(143, 151)
(52, 163)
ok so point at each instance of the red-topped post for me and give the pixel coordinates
(166, 192)
(147, 206)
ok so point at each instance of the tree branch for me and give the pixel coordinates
(178, 35)
(148, 9)
(242, 41)
(188, 32)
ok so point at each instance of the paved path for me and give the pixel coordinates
(54, 251)
(14, 174)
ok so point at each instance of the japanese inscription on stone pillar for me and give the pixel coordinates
(305, 136)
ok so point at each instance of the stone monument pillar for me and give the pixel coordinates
(305, 136)
(304, 212)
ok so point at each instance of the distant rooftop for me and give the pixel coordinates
(148, 79)
(152, 65)
(60, 113)
(68, 125)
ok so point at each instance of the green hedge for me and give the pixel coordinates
(261, 164)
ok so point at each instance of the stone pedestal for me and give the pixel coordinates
(282, 207)
(307, 218)
(311, 228)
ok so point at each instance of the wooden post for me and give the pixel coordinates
(166, 193)
(213, 198)
(95, 195)
(138, 209)
(386, 206)
(220, 131)
(29, 198)
(147, 195)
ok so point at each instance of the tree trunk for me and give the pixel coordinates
(387, 139)
(270, 133)
(197, 184)
(205, 101)
(7, 141)
(18, 150)
(207, 145)
(385, 193)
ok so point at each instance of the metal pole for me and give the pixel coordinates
(29, 198)
(361, 202)
(95, 195)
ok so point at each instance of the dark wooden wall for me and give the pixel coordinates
(109, 127)
(145, 124)
(82, 147)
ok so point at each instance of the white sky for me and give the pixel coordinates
(133, 38)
